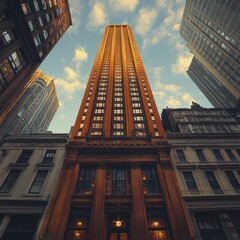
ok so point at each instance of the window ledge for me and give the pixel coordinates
(45, 165)
(18, 165)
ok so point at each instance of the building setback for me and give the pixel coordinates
(28, 32)
(29, 168)
(117, 181)
(206, 158)
(211, 29)
(34, 109)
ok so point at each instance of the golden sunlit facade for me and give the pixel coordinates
(117, 182)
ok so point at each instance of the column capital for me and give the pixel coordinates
(166, 164)
(134, 165)
(102, 165)
(68, 163)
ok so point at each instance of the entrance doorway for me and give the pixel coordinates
(118, 228)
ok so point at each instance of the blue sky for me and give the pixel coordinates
(155, 24)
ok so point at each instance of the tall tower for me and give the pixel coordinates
(211, 29)
(33, 109)
(117, 181)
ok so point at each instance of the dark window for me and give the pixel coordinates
(36, 5)
(230, 155)
(77, 228)
(158, 226)
(181, 155)
(49, 156)
(21, 227)
(189, 179)
(85, 184)
(150, 180)
(118, 180)
(218, 155)
(10, 181)
(38, 181)
(233, 180)
(25, 155)
(212, 180)
(16, 61)
(6, 37)
(200, 155)
(26, 8)
(209, 226)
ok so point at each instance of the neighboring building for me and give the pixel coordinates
(29, 168)
(28, 32)
(211, 29)
(117, 181)
(34, 109)
(206, 159)
(215, 92)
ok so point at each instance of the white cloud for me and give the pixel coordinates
(168, 28)
(71, 74)
(172, 88)
(182, 64)
(145, 20)
(173, 102)
(97, 16)
(188, 98)
(123, 5)
(80, 55)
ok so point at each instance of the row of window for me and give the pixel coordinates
(212, 180)
(10, 67)
(216, 152)
(35, 5)
(118, 180)
(13, 175)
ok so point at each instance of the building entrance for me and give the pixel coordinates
(118, 228)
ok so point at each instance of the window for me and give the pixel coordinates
(200, 155)
(49, 156)
(36, 5)
(38, 181)
(26, 8)
(10, 181)
(21, 227)
(150, 180)
(50, 3)
(37, 40)
(118, 180)
(44, 4)
(45, 34)
(78, 224)
(85, 184)
(212, 180)
(218, 155)
(181, 155)
(32, 24)
(16, 61)
(25, 155)
(209, 226)
(189, 179)
(158, 226)
(230, 155)
(233, 180)
(47, 17)
(40, 21)
(238, 152)
(6, 37)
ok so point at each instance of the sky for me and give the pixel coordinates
(155, 24)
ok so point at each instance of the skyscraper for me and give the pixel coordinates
(28, 32)
(214, 90)
(34, 109)
(211, 29)
(117, 181)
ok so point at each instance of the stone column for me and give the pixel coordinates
(140, 227)
(96, 229)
